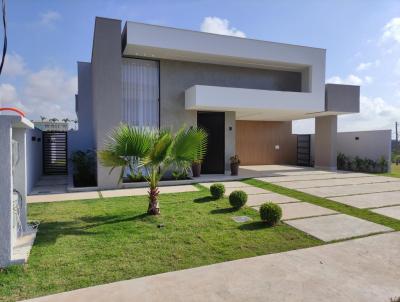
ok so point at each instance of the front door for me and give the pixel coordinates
(214, 124)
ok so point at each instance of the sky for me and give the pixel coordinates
(362, 38)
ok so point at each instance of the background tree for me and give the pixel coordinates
(155, 151)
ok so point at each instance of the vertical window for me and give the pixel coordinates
(140, 92)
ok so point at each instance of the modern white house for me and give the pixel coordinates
(244, 92)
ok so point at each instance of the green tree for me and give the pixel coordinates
(156, 151)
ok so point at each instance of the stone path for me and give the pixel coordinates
(365, 269)
(381, 194)
(107, 194)
(307, 217)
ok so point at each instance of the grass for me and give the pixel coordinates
(330, 204)
(85, 243)
(395, 171)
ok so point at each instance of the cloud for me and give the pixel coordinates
(391, 31)
(350, 80)
(14, 65)
(50, 92)
(367, 65)
(49, 18)
(9, 97)
(220, 26)
(375, 113)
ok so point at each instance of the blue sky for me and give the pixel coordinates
(362, 39)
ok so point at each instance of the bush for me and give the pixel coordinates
(270, 213)
(217, 191)
(238, 199)
(84, 168)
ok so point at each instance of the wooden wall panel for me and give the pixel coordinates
(256, 141)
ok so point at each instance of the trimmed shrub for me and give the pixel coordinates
(238, 199)
(217, 191)
(270, 213)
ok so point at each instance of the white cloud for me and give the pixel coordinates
(49, 18)
(14, 65)
(50, 92)
(351, 79)
(9, 97)
(220, 26)
(375, 113)
(391, 31)
(367, 65)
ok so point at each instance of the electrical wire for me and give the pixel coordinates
(3, 7)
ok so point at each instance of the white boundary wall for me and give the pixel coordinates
(370, 144)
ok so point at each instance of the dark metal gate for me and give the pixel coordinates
(304, 150)
(55, 153)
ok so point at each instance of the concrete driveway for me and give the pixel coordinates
(366, 269)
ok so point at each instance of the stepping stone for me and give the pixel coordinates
(373, 200)
(144, 191)
(227, 184)
(259, 199)
(63, 197)
(352, 189)
(337, 227)
(297, 210)
(241, 219)
(393, 212)
(338, 182)
(249, 190)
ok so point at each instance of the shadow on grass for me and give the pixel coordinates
(223, 211)
(203, 199)
(253, 226)
(49, 232)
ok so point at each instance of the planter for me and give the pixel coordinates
(234, 169)
(196, 169)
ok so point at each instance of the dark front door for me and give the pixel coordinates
(214, 124)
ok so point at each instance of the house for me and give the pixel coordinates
(245, 92)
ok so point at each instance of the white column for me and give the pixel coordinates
(6, 217)
(325, 151)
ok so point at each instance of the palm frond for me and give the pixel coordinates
(189, 144)
(161, 148)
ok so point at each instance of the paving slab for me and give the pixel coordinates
(227, 184)
(393, 212)
(352, 189)
(339, 181)
(259, 199)
(336, 227)
(297, 210)
(373, 200)
(365, 269)
(62, 197)
(144, 191)
(249, 190)
(332, 175)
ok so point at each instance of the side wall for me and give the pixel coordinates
(34, 154)
(265, 143)
(106, 89)
(370, 144)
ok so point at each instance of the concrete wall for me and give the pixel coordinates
(370, 144)
(34, 149)
(106, 89)
(325, 142)
(342, 98)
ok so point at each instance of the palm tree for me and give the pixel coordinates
(54, 119)
(153, 150)
(43, 118)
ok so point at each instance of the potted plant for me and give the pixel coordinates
(235, 162)
(196, 168)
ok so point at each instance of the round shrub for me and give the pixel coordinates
(217, 191)
(238, 199)
(271, 213)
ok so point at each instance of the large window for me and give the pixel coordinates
(140, 92)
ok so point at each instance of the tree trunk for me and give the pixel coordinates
(154, 208)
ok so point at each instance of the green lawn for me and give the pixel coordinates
(84, 243)
(395, 171)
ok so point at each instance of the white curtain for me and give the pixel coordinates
(140, 92)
